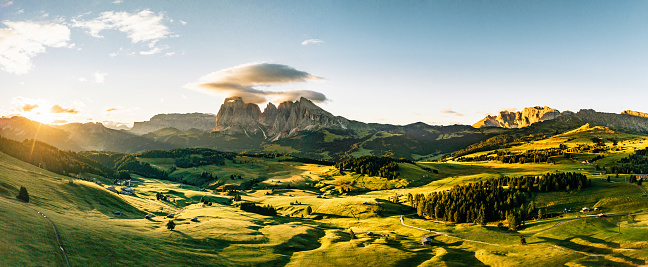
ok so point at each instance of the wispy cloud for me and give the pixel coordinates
(100, 77)
(118, 2)
(112, 109)
(312, 42)
(244, 81)
(23, 40)
(450, 111)
(5, 3)
(29, 107)
(142, 27)
(58, 109)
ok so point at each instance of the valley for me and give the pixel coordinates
(318, 206)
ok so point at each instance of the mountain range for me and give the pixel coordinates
(304, 129)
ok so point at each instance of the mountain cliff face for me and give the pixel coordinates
(618, 121)
(288, 119)
(526, 117)
(635, 113)
(181, 122)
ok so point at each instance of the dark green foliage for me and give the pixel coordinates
(522, 240)
(52, 159)
(309, 210)
(171, 225)
(352, 234)
(123, 175)
(529, 156)
(308, 160)
(636, 163)
(263, 210)
(370, 165)
(488, 200)
(23, 194)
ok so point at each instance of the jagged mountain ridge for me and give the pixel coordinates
(526, 117)
(288, 119)
(627, 120)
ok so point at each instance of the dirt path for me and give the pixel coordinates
(645, 193)
(56, 233)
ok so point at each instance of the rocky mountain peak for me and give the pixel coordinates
(526, 117)
(287, 119)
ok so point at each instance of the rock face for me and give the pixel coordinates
(618, 121)
(635, 113)
(519, 119)
(288, 119)
(183, 122)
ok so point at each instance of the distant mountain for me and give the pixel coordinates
(182, 122)
(628, 120)
(526, 117)
(274, 123)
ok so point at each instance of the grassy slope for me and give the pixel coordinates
(226, 236)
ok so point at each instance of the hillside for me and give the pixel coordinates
(339, 198)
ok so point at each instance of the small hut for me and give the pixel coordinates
(117, 212)
(426, 241)
(171, 216)
(371, 234)
(194, 219)
(148, 216)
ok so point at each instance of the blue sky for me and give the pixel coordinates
(398, 62)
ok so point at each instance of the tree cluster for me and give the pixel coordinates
(52, 159)
(637, 163)
(263, 210)
(529, 156)
(370, 165)
(489, 201)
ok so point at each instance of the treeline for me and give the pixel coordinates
(529, 156)
(52, 159)
(489, 201)
(371, 165)
(495, 142)
(263, 210)
(308, 160)
(636, 163)
(190, 157)
(126, 162)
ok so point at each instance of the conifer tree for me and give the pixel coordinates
(23, 194)
(171, 225)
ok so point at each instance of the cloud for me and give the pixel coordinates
(112, 109)
(29, 107)
(23, 40)
(58, 109)
(312, 42)
(100, 77)
(153, 51)
(450, 111)
(183, 22)
(5, 3)
(118, 2)
(243, 81)
(82, 80)
(142, 27)
(508, 109)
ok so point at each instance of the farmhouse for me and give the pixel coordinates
(426, 241)
(170, 216)
(117, 212)
(194, 219)
(148, 216)
(641, 176)
(583, 210)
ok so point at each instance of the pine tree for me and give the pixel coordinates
(309, 210)
(481, 217)
(352, 234)
(170, 225)
(23, 195)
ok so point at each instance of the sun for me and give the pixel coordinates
(42, 117)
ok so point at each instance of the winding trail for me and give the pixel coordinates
(645, 193)
(56, 233)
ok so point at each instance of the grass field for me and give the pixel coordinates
(226, 236)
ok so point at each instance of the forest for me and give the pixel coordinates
(490, 201)
(371, 165)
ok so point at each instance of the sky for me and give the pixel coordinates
(396, 62)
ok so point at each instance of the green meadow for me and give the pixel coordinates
(339, 202)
